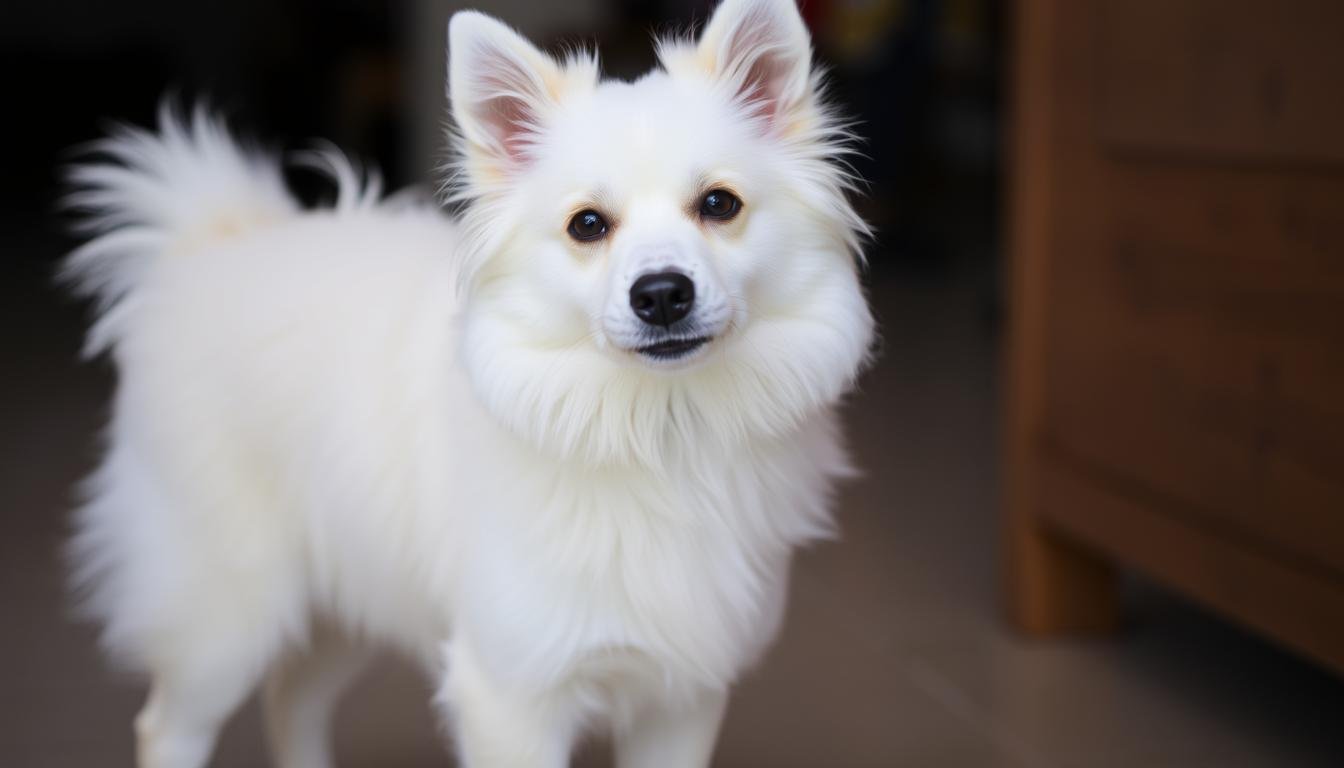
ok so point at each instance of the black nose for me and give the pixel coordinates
(662, 298)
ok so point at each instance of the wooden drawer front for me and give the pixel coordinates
(1195, 301)
(1258, 79)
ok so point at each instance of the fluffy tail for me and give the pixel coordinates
(160, 195)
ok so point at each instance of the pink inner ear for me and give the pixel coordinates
(513, 124)
(762, 87)
(763, 62)
(507, 106)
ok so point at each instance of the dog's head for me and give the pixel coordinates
(655, 262)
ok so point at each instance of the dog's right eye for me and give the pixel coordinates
(587, 225)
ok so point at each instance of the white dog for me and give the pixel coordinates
(558, 451)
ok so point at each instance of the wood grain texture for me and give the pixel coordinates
(1238, 80)
(1178, 304)
(1053, 585)
(1150, 534)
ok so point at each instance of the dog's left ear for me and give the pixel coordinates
(761, 50)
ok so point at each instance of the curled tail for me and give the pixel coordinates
(151, 195)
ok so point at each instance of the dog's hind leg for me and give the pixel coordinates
(206, 633)
(193, 693)
(301, 693)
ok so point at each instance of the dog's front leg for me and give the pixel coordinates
(497, 726)
(672, 735)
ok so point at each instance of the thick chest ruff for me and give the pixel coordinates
(684, 568)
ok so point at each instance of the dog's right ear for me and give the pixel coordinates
(502, 91)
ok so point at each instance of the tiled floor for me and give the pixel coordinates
(894, 654)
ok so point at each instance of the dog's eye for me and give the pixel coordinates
(719, 204)
(587, 225)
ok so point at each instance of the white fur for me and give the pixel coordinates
(371, 424)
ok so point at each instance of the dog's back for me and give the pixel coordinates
(269, 365)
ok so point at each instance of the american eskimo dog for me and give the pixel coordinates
(558, 449)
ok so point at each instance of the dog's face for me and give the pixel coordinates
(642, 218)
(675, 248)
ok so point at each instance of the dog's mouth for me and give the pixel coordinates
(673, 349)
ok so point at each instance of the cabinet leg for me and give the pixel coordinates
(1056, 586)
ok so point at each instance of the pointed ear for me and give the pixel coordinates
(761, 49)
(502, 90)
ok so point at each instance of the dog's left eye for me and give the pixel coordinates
(587, 225)
(719, 204)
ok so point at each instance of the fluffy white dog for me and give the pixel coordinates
(558, 451)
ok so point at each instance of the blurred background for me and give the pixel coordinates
(1102, 522)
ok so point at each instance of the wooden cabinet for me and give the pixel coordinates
(1176, 344)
